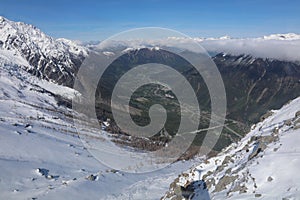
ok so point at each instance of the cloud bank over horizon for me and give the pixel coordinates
(257, 47)
(276, 46)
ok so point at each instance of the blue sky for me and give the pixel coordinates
(96, 20)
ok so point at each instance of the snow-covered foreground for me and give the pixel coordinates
(41, 155)
(263, 165)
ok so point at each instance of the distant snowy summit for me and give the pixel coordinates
(279, 36)
(287, 36)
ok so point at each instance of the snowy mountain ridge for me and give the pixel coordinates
(55, 60)
(261, 166)
(35, 39)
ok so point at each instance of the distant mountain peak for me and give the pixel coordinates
(285, 36)
(2, 19)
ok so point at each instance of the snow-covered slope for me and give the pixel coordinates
(263, 165)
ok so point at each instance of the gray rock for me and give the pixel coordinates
(270, 179)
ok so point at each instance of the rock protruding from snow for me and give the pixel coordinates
(263, 164)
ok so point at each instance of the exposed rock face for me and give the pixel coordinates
(256, 85)
(185, 188)
(224, 181)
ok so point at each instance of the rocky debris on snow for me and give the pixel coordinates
(92, 177)
(225, 181)
(236, 172)
(186, 187)
(45, 173)
(270, 179)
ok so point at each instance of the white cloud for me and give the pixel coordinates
(276, 46)
(257, 47)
